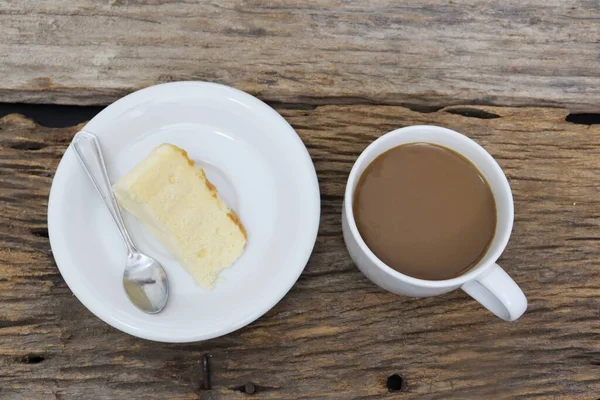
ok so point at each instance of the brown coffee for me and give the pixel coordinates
(425, 211)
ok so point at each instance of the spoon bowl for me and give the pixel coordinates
(145, 283)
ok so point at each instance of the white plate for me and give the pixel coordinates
(261, 169)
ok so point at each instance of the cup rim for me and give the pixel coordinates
(459, 280)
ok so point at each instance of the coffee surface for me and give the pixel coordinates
(425, 211)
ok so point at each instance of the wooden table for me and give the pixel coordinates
(342, 73)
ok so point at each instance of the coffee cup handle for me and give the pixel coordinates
(497, 292)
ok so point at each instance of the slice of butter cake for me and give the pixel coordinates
(178, 205)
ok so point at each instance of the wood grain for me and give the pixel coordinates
(335, 335)
(418, 53)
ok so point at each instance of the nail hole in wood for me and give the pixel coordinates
(248, 388)
(32, 359)
(40, 232)
(396, 383)
(472, 113)
(28, 146)
(583, 119)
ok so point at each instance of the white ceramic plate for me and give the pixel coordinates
(261, 169)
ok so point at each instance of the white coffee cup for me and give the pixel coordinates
(486, 282)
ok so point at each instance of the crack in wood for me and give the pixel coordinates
(27, 146)
(55, 115)
(51, 115)
(471, 112)
(31, 359)
(584, 118)
(40, 232)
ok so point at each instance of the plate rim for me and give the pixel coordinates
(92, 304)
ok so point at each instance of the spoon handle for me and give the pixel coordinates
(89, 153)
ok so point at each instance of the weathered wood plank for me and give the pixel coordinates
(418, 53)
(335, 335)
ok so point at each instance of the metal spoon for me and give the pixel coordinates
(144, 280)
